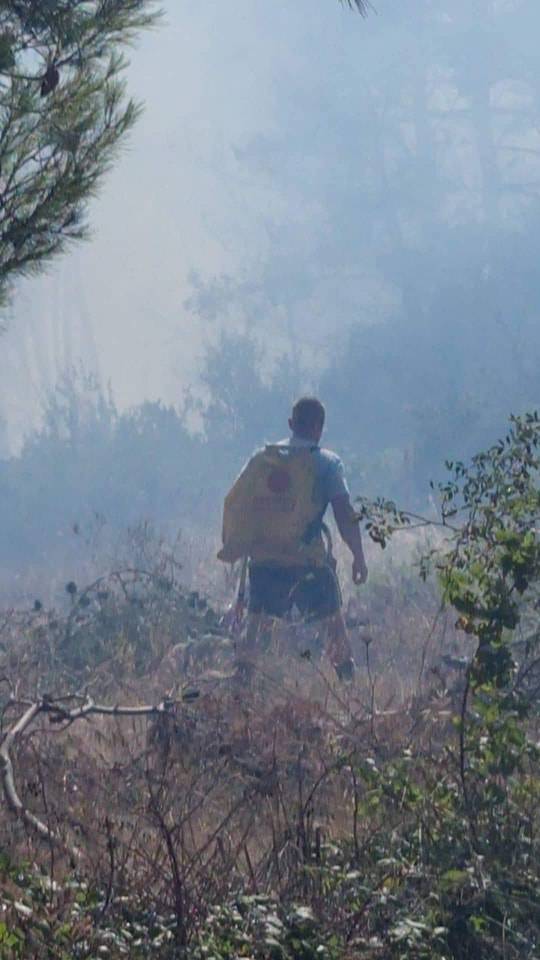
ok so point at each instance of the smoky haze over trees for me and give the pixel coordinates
(393, 201)
(401, 281)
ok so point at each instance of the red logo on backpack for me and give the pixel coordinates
(279, 481)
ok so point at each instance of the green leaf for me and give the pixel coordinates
(454, 879)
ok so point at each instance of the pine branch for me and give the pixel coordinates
(363, 6)
(63, 115)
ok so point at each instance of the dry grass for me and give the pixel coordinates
(241, 789)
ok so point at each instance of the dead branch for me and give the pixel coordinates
(57, 714)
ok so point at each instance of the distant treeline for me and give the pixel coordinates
(401, 398)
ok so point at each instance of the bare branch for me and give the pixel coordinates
(57, 714)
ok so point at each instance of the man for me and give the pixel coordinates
(275, 515)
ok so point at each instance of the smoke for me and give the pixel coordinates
(178, 201)
(302, 174)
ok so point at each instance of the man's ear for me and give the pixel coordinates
(291, 424)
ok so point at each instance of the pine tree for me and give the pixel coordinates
(63, 112)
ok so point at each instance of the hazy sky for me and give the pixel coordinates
(214, 76)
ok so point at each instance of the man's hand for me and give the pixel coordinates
(229, 554)
(359, 570)
(347, 522)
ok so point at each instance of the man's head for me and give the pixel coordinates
(307, 419)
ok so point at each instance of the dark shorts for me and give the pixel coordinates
(276, 590)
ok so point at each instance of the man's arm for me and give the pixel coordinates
(350, 533)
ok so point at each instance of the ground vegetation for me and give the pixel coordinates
(156, 808)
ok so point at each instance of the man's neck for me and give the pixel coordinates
(304, 441)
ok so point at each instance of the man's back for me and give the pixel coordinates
(329, 470)
(275, 509)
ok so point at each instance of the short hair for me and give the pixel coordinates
(307, 412)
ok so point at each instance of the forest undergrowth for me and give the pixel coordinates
(155, 807)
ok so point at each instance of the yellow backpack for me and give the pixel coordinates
(272, 512)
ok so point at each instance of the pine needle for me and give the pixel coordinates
(363, 6)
